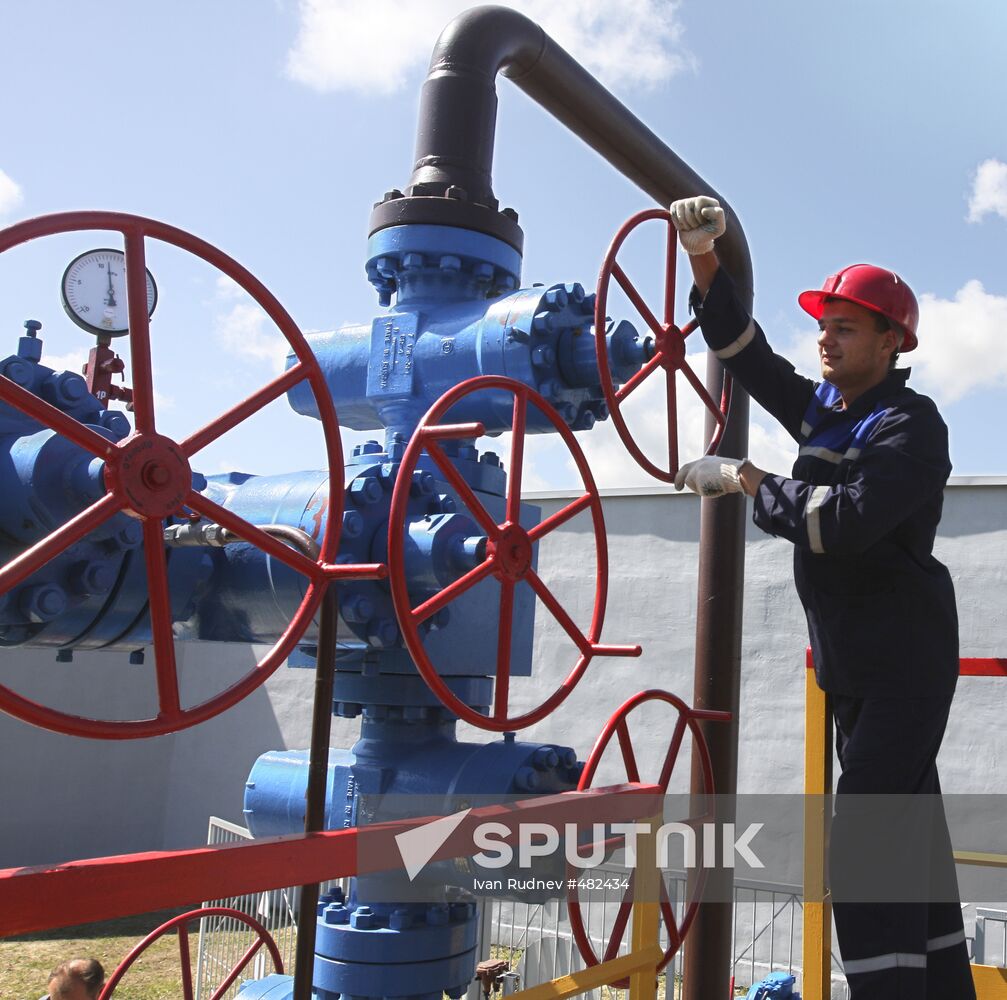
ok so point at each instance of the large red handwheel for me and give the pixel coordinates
(147, 476)
(180, 924)
(618, 726)
(509, 552)
(668, 348)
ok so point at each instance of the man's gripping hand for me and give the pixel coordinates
(711, 476)
(699, 222)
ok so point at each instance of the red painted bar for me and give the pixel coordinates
(968, 666)
(102, 888)
(982, 667)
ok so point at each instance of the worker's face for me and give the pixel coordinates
(853, 354)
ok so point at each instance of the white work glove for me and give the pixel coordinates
(711, 476)
(699, 222)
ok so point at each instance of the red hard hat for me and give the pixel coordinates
(875, 288)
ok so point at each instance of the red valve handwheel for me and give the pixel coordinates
(508, 552)
(617, 726)
(179, 923)
(669, 351)
(147, 476)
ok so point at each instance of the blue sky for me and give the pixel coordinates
(839, 132)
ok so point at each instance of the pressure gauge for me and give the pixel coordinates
(94, 292)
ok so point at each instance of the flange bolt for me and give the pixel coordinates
(42, 602)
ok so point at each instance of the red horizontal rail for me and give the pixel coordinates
(982, 667)
(968, 666)
(103, 888)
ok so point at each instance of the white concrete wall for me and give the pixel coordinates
(63, 798)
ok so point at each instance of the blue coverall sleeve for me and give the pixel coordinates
(903, 465)
(741, 346)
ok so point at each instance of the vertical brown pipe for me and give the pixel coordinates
(717, 684)
(318, 764)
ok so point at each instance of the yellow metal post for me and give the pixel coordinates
(646, 912)
(593, 977)
(817, 943)
(991, 982)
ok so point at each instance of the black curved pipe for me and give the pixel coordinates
(458, 108)
(451, 184)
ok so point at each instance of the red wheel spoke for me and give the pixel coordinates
(621, 919)
(159, 596)
(672, 755)
(559, 518)
(614, 843)
(689, 327)
(358, 571)
(38, 409)
(516, 458)
(234, 416)
(696, 382)
(669, 275)
(647, 370)
(601, 649)
(462, 488)
(559, 613)
(248, 532)
(671, 401)
(452, 590)
(634, 296)
(236, 971)
(725, 408)
(628, 755)
(185, 961)
(502, 687)
(139, 330)
(668, 912)
(19, 569)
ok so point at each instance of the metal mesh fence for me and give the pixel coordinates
(534, 937)
(223, 940)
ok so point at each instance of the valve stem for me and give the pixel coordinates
(197, 534)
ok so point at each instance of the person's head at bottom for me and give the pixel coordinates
(77, 979)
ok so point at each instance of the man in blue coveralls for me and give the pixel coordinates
(861, 509)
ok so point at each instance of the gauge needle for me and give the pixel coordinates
(110, 299)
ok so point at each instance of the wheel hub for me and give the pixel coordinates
(151, 474)
(671, 344)
(513, 550)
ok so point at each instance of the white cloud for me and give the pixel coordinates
(245, 330)
(227, 289)
(770, 447)
(373, 45)
(10, 194)
(989, 191)
(961, 343)
(72, 361)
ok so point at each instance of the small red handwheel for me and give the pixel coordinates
(617, 725)
(147, 476)
(509, 552)
(668, 348)
(180, 924)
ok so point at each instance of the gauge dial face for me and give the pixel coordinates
(94, 292)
